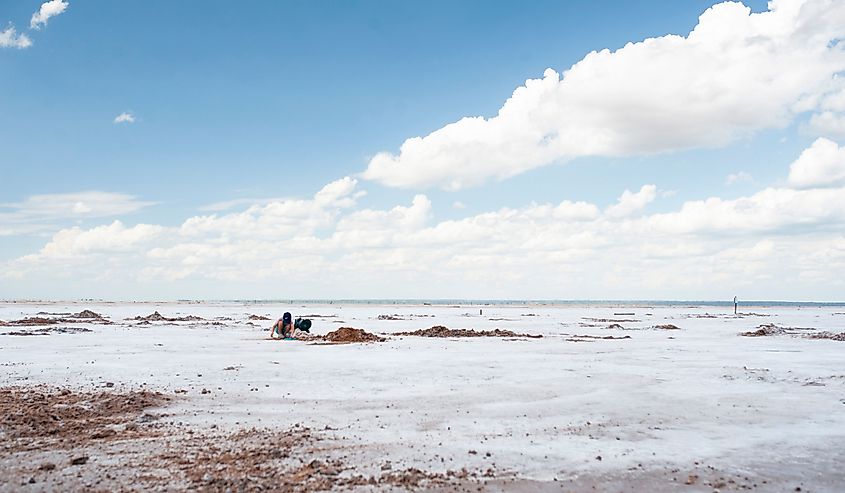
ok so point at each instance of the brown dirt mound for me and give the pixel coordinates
(45, 331)
(81, 317)
(441, 331)
(34, 414)
(348, 334)
(258, 317)
(828, 335)
(86, 314)
(774, 330)
(608, 338)
(667, 327)
(764, 330)
(158, 317)
(33, 321)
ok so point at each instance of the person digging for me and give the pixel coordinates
(286, 328)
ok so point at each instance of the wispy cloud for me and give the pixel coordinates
(740, 177)
(9, 38)
(47, 10)
(38, 212)
(125, 117)
(231, 204)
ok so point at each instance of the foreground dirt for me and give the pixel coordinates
(58, 440)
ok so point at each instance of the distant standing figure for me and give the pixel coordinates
(735, 305)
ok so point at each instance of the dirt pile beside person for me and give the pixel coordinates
(348, 334)
(258, 317)
(158, 317)
(441, 331)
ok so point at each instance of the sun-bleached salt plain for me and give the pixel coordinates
(699, 405)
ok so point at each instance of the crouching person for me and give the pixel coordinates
(283, 328)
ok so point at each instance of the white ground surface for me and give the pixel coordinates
(772, 408)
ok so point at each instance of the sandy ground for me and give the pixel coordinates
(611, 398)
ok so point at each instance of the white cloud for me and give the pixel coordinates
(279, 218)
(48, 9)
(38, 212)
(739, 177)
(124, 117)
(820, 165)
(770, 210)
(225, 205)
(111, 238)
(80, 204)
(736, 73)
(325, 246)
(630, 203)
(827, 123)
(9, 38)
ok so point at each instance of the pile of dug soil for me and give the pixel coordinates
(607, 338)
(348, 334)
(81, 317)
(441, 331)
(828, 335)
(774, 330)
(33, 321)
(86, 314)
(158, 317)
(45, 331)
(667, 327)
(258, 317)
(765, 330)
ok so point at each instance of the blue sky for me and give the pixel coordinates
(265, 103)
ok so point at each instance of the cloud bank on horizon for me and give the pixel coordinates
(735, 74)
(790, 232)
